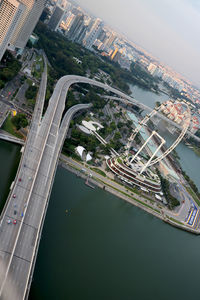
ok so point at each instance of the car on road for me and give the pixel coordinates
(9, 221)
(20, 179)
(15, 222)
(14, 195)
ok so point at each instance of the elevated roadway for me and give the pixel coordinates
(28, 199)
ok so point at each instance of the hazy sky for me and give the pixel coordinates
(169, 29)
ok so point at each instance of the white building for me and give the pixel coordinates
(152, 68)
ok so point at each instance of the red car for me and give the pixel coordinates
(14, 222)
(20, 179)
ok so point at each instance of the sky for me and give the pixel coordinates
(168, 29)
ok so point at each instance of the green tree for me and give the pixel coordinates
(20, 121)
(117, 136)
(31, 92)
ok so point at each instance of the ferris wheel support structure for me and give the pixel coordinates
(169, 150)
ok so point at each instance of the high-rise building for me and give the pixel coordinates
(28, 6)
(11, 12)
(93, 33)
(110, 40)
(80, 37)
(28, 21)
(62, 3)
(102, 36)
(67, 6)
(76, 10)
(114, 53)
(56, 18)
(69, 21)
(76, 27)
(158, 72)
(118, 56)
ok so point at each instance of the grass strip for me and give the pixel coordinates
(194, 196)
(9, 127)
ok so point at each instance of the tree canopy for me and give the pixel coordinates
(9, 68)
(20, 121)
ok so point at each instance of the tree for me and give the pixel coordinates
(31, 92)
(113, 126)
(117, 136)
(10, 67)
(129, 123)
(120, 125)
(20, 121)
(2, 84)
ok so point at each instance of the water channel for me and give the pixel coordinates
(105, 249)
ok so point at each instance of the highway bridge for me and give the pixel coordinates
(22, 219)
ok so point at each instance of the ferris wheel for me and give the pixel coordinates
(143, 123)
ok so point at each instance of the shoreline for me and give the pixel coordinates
(157, 212)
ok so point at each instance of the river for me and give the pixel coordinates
(9, 160)
(106, 249)
(147, 97)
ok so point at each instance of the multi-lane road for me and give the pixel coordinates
(28, 199)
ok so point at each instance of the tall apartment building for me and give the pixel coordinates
(56, 18)
(102, 36)
(110, 40)
(114, 53)
(76, 27)
(11, 12)
(28, 21)
(80, 37)
(93, 33)
(28, 6)
(63, 3)
(69, 21)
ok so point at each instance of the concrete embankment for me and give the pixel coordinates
(129, 198)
